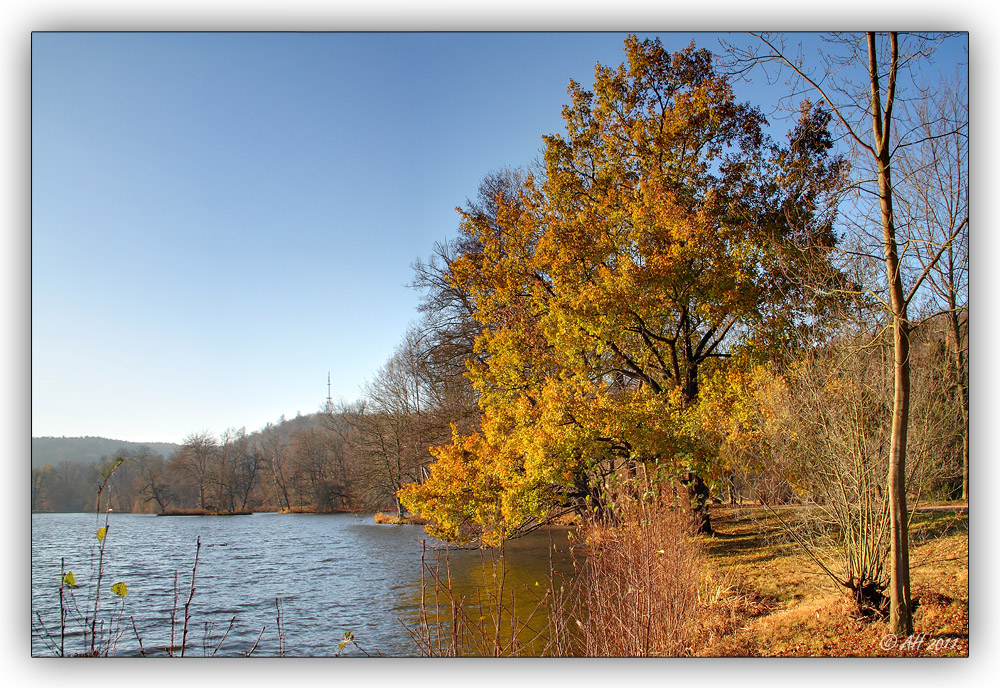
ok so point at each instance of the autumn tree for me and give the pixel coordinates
(660, 240)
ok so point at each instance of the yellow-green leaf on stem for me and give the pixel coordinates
(348, 639)
(101, 532)
(69, 580)
(119, 589)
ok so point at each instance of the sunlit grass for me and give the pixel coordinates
(782, 604)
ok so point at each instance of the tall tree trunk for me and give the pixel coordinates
(284, 488)
(965, 449)
(961, 381)
(900, 618)
(698, 492)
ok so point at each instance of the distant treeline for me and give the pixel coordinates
(86, 450)
(350, 458)
(66, 472)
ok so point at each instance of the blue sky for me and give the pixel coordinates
(218, 220)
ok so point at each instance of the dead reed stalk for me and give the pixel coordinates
(639, 570)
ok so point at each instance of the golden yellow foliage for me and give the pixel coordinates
(658, 242)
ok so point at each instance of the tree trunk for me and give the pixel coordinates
(284, 490)
(961, 380)
(698, 496)
(965, 454)
(900, 619)
(691, 383)
(698, 492)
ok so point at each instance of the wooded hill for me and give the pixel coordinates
(51, 451)
(312, 462)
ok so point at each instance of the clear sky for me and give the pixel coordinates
(218, 220)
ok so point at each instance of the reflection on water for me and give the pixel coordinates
(332, 573)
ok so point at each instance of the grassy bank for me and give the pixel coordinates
(771, 599)
(642, 586)
(408, 520)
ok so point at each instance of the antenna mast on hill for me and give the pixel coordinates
(329, 398)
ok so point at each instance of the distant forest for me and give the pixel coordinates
(321, 462)
(51, 451)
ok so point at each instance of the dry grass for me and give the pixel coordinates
(644, 586)
(780, 603)
(382, 517)
(637, 587)
(635, 593)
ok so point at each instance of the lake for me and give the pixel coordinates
(332, 573)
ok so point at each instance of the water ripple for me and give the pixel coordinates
(332, 573)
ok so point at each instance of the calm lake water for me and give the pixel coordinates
(332, 573)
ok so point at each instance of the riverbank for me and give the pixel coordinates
(408, 520)
(780, 603)
(202, 512)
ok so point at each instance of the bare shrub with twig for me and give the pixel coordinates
(828, 435)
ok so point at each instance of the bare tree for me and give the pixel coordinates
(842, 401)
(934, 204)
(41, 479)
(155, 481)
(407, 407)
(449, 329)
(859, 80)
(234, 470)
(818, 432)
(195, 461)
(141, 478)
(317, 459)
(275, 456)
(938, 428)
(244, 465)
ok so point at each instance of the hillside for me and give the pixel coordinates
(51, 451)
(86, 450)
